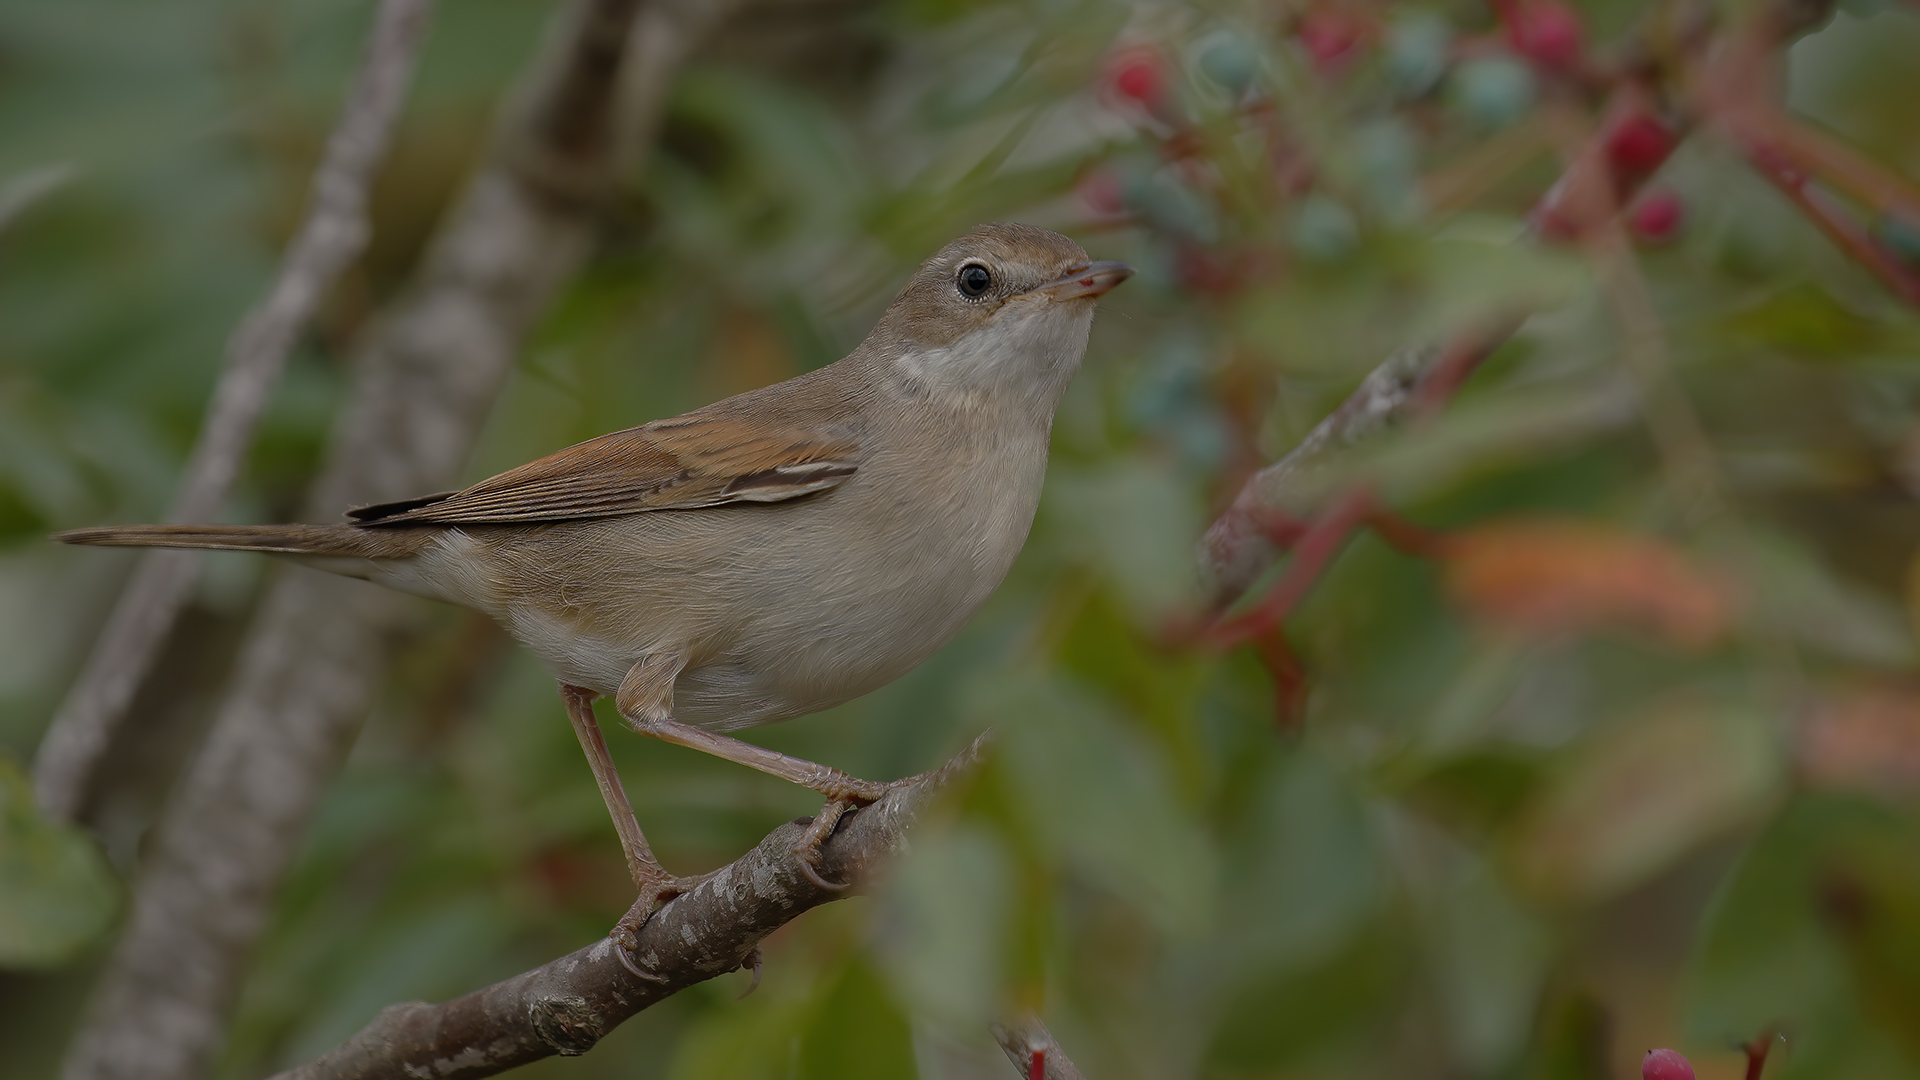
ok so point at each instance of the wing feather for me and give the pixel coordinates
(683, 463)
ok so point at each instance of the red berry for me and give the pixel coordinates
(1330, 37)
(1639, 143)
(1775, 162)
(1657, 217)
(1202, 271)
(1665, 1065)
(1549, 32)
(1137, 74)
(1103, 193)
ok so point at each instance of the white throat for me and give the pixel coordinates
(1024, 357)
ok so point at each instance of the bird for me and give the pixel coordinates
(765, 556)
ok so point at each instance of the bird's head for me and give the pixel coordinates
(1006, 307)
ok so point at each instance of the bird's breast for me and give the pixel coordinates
(872, 580)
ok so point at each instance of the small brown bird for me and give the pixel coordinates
(766, 556)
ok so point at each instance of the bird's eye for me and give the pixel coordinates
(974, 280)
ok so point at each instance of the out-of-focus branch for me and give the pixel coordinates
(333, 234)
(425, 379)
(567, 1006)
(1836, 223)
(1237, 548)
(1741, 91)
(1033, 1049)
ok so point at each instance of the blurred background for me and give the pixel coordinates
(1625, 753)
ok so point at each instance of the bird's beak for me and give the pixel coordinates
(1086, 282)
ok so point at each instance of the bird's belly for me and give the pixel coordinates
(794, 655)
(769, 673)
(779, 610)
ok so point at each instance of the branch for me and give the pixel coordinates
(568, 1005)
(424, 380)
(1033, 1049)
(332, 236)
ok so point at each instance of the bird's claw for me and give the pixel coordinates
(654, 895)
(807, 851)
(753, 963)
(843, 799)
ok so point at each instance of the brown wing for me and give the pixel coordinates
(690, 461)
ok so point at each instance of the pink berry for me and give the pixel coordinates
(1638, 144)
(1775, 161)
(1103, 193)
(1657, 218)
(1136, 74)
(1330, 37)
(1665, 1065)
(1549, 32)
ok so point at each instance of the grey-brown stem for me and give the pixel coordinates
(1236, 549)
(333, 234)
(1023, 1035)
(424, 381)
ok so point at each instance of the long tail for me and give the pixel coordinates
(350, 540)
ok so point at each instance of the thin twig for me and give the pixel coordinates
(1836, 223)
(1238, 546)
(1026, 1040)
(332, 236)
(1757, 1051)
(1315, 548)
(568, 1005)
(1815, 152)
(1675, 428)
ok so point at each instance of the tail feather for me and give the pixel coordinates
(348, 540)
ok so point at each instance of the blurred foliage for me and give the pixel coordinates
(59, 893)
(1627, 759)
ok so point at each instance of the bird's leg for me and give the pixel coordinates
(654, 885)
(640, 861)
(645, 701)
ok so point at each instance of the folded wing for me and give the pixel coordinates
(683, 463)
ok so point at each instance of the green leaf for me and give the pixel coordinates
(57, 893)
(943, 925)
(1098, 798)
(754, 1042)
(1334, 1005)
(1474, 271)
(858, 1033)
(1795, 590)
(1309, 874)
(1807, 321)
(1489, 959)
(1485, 433)
(1816, 929)
(1629, 800)
(1133, 522)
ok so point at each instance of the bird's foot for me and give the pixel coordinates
(655, 892)
(846, 795)
(754, 962)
